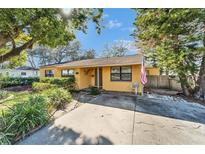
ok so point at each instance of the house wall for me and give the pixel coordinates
(123, 86)
(17, 73)
(85, 77)
(57, 71)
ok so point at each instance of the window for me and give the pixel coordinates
(49, 73)
(23, 73)
(67, 73)
(123, 73)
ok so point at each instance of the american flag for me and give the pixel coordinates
(143, 76)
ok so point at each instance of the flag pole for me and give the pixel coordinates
(143, 75)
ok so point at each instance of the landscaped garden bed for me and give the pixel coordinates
(29, 110)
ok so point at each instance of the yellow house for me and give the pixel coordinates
(110, 74)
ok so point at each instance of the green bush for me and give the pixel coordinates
(17, 81)
(22, 118)
(39, 86)
(4, 138)
(68, 83)
(94, 91)
(3, 94)
(58, 98)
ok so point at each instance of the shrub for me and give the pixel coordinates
(58, 98)
(68, 83)
(16, 81)
(94, 91)
(4, 138)
(3, 94)
(39, 86)
(24, 117)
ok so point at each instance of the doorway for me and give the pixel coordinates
(98, 77)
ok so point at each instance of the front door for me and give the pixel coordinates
(98, 77)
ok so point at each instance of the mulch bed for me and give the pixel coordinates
(19, 88)
(174, 94)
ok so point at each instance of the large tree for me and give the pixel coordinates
(171, 37)
(41, 55)
(87, 54)
(20, 29)
(116, 49)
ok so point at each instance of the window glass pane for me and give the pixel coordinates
(115, 77)
(67, 72)
(64, 72)
(71, 72)
(23, 73)
(126, 77)
(115, 70)
(49, 73)
(126, 69)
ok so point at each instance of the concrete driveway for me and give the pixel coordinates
(115, 119)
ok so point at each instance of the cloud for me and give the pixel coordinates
(114, 24)
(105, 16)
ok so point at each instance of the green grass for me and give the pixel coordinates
(18, 97)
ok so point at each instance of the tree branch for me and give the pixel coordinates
(13, 41)
(15, 51)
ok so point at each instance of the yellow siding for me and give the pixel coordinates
(57, 71)
(92, 73)
(123, 86)
(85, 77)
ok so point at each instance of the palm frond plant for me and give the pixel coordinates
(24, 117)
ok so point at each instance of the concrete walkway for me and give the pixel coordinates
(111, 119)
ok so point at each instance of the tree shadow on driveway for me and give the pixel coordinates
(58, 135)
(173, 109)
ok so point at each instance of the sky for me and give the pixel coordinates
(118, 25)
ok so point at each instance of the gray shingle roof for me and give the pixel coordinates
(113, 61)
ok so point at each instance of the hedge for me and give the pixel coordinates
(68, 83)
(17, 81)
(40, 86)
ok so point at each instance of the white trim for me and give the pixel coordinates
(98, 77)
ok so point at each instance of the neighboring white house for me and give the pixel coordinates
(24, 71)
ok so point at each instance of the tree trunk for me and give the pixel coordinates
(200, 90)
(186, 88)
(15, 51)
(3, 39)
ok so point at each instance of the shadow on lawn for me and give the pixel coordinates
(62, 136)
